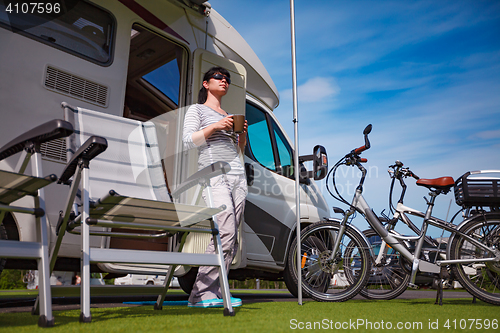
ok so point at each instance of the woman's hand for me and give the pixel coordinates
(245, 128)
(201, 136)
(242, 137)
(225, 124)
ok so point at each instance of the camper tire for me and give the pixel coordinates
(3, 235)
(186, 282)
(289, 274)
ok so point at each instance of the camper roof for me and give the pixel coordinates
(229, 43)
(234, 47)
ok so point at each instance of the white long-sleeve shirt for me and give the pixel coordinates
(221, 146)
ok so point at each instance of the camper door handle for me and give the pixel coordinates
(250, 173)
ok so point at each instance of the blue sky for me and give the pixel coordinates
(426, 74)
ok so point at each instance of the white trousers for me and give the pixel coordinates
(229, 190)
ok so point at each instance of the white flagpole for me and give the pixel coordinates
(296, 155)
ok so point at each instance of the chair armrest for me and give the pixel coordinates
(51, 130)
(213, 170)
(90, 149)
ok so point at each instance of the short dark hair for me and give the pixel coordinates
(202, 95)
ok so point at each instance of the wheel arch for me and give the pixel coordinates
(291, 237)
(11, 226)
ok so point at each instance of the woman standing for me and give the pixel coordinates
(209, 128)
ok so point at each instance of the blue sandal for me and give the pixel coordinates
(215, 303)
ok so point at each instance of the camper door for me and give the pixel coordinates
(234, 103)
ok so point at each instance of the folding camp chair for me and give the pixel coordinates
(124, 187)
(16, 185)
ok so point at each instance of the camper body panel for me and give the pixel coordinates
(28, 100)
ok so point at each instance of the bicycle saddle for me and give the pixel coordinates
(442, 183)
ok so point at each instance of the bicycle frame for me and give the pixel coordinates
(431, 220)
(359, 204)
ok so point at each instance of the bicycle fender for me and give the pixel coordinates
(464, 222)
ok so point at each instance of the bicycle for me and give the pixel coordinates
(388, 280)
(475, 243)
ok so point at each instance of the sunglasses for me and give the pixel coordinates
(219, 76)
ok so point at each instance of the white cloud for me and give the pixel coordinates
(316, 89)
(433, 106)
(487, 135)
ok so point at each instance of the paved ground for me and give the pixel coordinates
(69, 303)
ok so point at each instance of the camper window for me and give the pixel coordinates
(259, 141)
(267, 143)
(75, 26)
(166, 79)
(285, 152)
(154, 76)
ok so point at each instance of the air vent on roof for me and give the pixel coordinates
(77, 87)
(54, 150)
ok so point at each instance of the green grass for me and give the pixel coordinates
(23, 293)
(268, 317)
(18, 293)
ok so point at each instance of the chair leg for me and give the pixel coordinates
(46, 318)
(168, 277)
(62, 230)
(224, 283)
(166, 284)
(85, 316)
(65, 218)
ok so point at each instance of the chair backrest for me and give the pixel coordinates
(131, 165)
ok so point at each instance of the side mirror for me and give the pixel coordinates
(320, 162)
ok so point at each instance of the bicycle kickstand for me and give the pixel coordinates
(439, 294)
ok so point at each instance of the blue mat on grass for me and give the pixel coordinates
(166, 303)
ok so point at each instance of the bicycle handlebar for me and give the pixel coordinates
(400, 172)
(353, 157)
(360, 149)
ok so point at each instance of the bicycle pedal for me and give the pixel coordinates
(413, 286)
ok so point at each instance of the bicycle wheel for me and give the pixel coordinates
(325, 279)
(480, 279)
(388, 279)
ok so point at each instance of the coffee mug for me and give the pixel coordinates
(238, 123)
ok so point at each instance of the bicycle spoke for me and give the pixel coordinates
(481, 280)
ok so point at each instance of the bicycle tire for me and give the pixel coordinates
(387, 280)
(327, 280)
(483, 280)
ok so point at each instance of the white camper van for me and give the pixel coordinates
(145, 60)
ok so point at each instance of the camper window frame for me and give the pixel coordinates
(111, 38)
(273, 129)
(147, 88)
